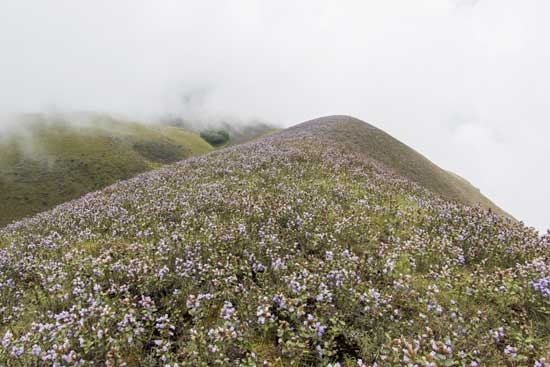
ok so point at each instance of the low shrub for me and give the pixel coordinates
(215, 137)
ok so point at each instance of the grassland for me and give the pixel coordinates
(49, 160)
(298, 249)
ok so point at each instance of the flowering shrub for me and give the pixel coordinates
(285, 251)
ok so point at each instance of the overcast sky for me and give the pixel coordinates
(465, 82)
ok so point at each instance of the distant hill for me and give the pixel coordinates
(239, 132)
(47, 160)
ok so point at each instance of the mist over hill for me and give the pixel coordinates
(463, 81)
(239, 131)
(312, 246)
(47, 159)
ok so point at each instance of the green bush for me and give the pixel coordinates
(215, 137)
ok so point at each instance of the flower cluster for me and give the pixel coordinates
(542, 286)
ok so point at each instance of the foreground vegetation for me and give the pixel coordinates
(296, 249)
(48, 160)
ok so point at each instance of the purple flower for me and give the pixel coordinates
(227, 310)
(542, 285)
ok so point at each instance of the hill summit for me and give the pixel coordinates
(329, 243)
(364, 139)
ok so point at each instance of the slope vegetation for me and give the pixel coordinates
(48, 160)
(403, 160)
(296, 249)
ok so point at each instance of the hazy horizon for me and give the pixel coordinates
(464, 82)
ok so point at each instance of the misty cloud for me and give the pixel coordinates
(466, 3)
(463, 81)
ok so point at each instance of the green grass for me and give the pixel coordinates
(48, 161)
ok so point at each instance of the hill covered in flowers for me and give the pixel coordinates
(308, 247)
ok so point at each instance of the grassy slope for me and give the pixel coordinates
(375, 143)
(48, 161)
(296, 249)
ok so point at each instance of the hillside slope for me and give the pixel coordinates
(366, 139)
(49, 160)
(296, 249)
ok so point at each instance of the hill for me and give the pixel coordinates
(366, 139)
(295, 249)
(48, 160)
